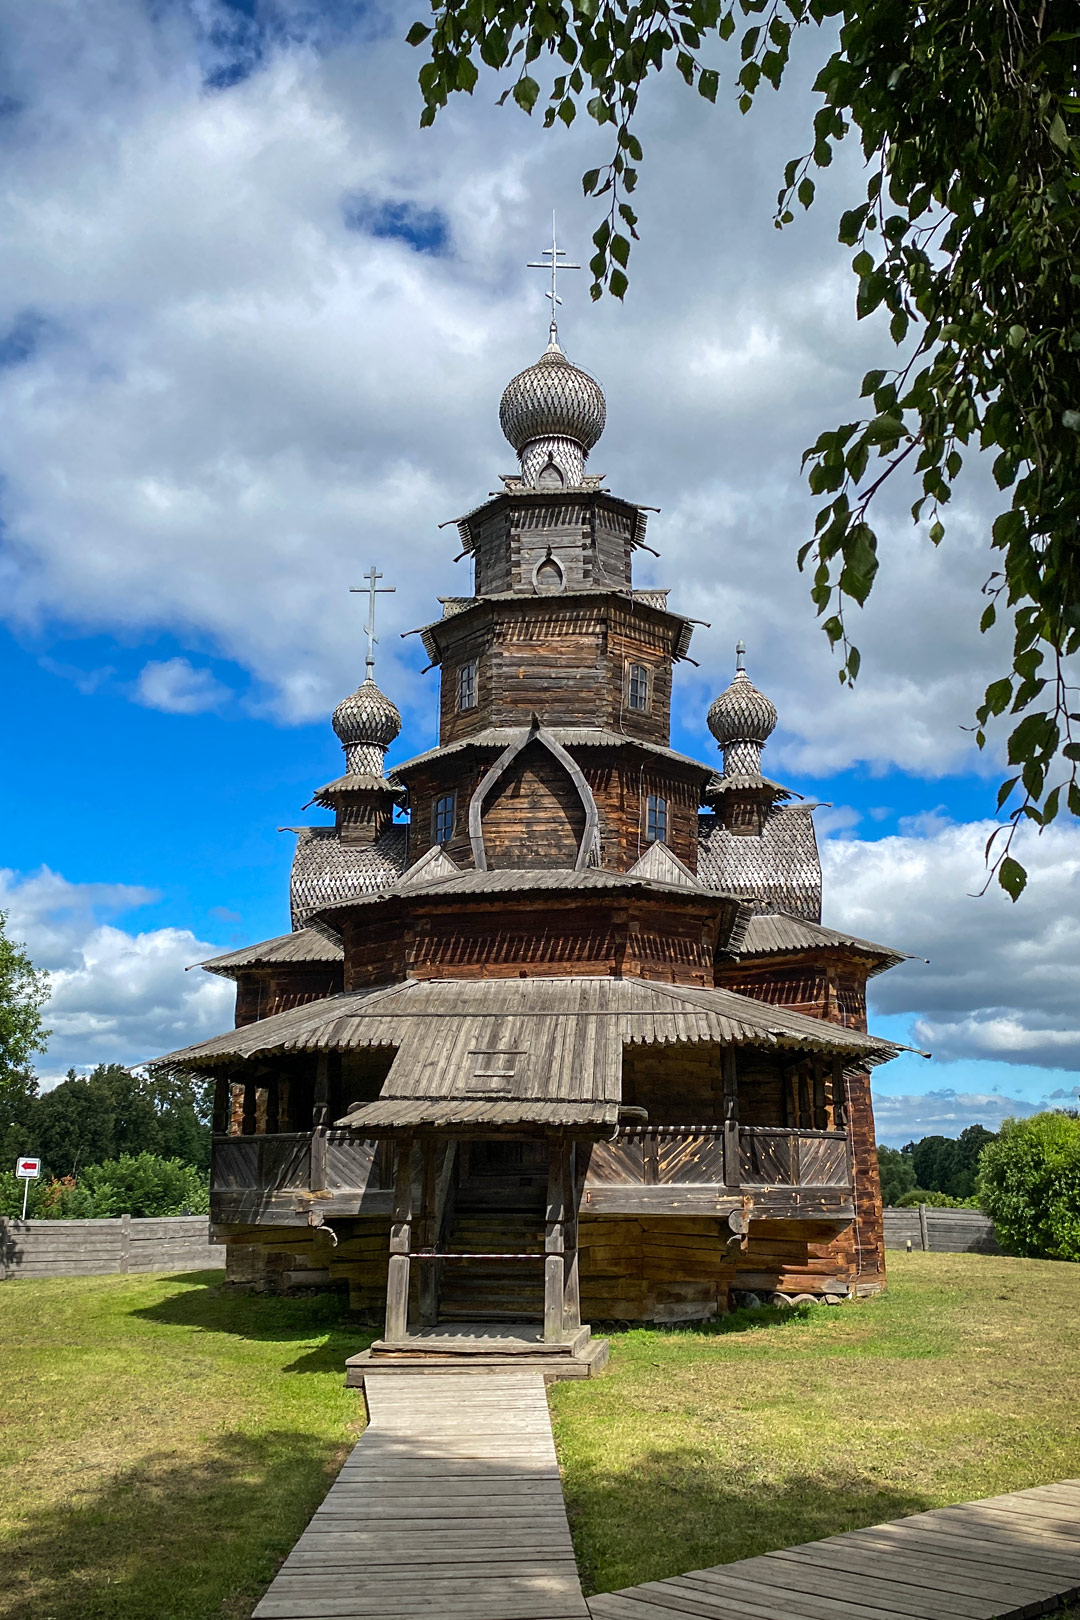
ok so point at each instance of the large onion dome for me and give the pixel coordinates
(742, 720)
(553, 413)
(366, 723)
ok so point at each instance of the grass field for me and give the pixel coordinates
(164, 1440)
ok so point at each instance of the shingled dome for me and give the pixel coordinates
(742, 713)
(553, 399)
(367, 716)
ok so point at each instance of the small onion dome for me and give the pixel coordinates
(367, 716)
(742, 713)
(553, 399)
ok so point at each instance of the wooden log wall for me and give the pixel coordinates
(534, 815)
(278, 1258)
(796, 1257)
(654, 1269)
(260, 992)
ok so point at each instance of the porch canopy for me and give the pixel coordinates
(517, 1052)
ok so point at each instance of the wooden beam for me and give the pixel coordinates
(273, 1105)
(251, 1104)
(571, 1272)
(427, 1232)
(222, 1100)
(397, 1280)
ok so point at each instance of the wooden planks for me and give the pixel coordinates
(1004, 1558)
(449, 1505)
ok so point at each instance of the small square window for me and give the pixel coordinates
(442, 818)
(637, 688)
(466, 685)
(656, 819)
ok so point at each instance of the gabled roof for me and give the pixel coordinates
(324, 869)
(314, 944)
(543, 1051)
(661, 865)
(775, 933)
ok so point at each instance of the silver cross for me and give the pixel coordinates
(554, 253)
(371, 590)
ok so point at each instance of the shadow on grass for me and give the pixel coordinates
(167, 1539)
(676, 1511)
(211, 1306)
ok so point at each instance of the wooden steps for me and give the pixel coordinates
(450, 1505)
(506, 1290)
(480, 1347)
(1004, 1558)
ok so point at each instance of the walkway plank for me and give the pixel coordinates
(449, 1505)
(1006, 1558)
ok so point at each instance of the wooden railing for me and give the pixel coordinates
(670, 1155)
(321, 1159)
(787, 1157)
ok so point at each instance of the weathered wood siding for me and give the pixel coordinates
(97, 1247)
(279, 1258)
(260, 992)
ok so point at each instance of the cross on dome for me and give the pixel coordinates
(554, 253)
(371, 590)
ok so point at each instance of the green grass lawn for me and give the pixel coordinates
(164, 1440)
(700, 1447)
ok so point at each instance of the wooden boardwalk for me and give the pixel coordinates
(449, 1505)
(1006, 1556)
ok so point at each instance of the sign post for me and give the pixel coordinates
(27, 1170)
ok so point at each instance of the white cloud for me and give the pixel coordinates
(236, 401)
(945, 1113)
(1003, 980)
(176, 687)
(116, 997)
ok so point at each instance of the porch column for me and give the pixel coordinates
(251, 1104)
(732, 1173)
(222, 1099)
(428, 1278)
(273, 1106)
(320, 1110)
(397, 1279)
(555, 1239)
(571, 1277)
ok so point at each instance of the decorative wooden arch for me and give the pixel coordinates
(535, 733)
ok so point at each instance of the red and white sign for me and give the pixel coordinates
(28, 1169)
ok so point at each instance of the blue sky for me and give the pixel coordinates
(254, 326)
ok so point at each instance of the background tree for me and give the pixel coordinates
(1029, 1185)
(897, 1174)
(24, 990)
(115, 1111)
(967, 235)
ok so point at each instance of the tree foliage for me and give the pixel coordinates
(933, 1168)
(114, 1112)
(1029, 1185)
(967, 237)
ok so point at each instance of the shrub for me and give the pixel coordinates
(133, 1184)
(935, 1200)
(1029, 1185)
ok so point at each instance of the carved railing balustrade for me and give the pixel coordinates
(752, 1156)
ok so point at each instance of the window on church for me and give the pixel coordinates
(637, 687)
(442, 819)
(656, 818)
(466, 685)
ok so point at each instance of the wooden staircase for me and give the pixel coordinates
(494, 1290)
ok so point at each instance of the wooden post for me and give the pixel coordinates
(923, 1233)
(839, 1108)
(796, 1167)
(5, 1264)
(571, 1275)
(319, 1113)
(397, 1280)
(555, 1241)
(251, 1103)
(125, 1243)
(732, 1172)
(273, 1103)
(821, 1118)
(428, 1278)
(222, 1095)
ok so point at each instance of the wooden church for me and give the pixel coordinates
(569, 1044)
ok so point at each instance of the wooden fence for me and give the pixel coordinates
(92, 1248)
(951, 1231)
